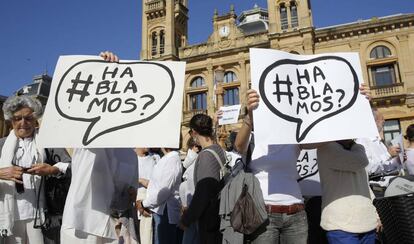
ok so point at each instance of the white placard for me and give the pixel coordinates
(94, 103)
(398, 141)
(230, 114)
(307, 167)
(309, 98)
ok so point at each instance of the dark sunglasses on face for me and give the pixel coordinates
(29, 118)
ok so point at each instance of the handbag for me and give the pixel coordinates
(55, 191)
(245, 217)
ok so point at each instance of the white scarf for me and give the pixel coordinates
(7, 187)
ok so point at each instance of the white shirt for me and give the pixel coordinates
(275, 168)
(163, 187)
(146, 165)
(190, 158)
(187, 187)
(409, 163)
(379, 158)
(26, 156)
(95, 175)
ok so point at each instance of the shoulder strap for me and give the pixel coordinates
(223, 168)
(216, 156)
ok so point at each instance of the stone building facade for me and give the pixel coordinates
(385, 46)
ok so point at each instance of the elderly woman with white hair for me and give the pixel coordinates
(22, 165)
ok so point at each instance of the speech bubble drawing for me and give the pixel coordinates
(306, 164)
(106, 101)
(306, 92)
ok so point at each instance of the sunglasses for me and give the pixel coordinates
(29, 118)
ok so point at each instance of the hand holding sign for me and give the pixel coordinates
(307, 91)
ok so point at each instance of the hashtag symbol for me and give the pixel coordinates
(280, 93)
(82, 92)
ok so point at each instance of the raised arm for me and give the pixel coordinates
(243, 136)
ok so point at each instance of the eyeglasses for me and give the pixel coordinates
(28, 118)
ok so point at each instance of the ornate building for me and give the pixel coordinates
(218, 70)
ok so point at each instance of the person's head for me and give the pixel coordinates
(201, 125)
(409, 133)
(23, 113)
(191, 144)
(230, 141)
(379, 119)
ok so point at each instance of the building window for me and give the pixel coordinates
(231, 90)
(294, 15)
(198, 82)
(154, 43)
(383, 75)
(229, 77)
(231, 96)
(198, 94)
(162, 41)
(198, 101)
(380, 52)
(392, 129)
(383, 67)
(283, 17)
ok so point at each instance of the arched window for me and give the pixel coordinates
(154, 43)
(383, 70)
(162, 41)
(293, 14)
(198, 98)
(283, 17)
(198, 82)
(229, 77)
(380, 52)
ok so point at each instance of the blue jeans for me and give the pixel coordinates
(282, 228)
(191, 235)
(163, 231)
(342, 237)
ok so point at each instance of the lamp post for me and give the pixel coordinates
(219, 91)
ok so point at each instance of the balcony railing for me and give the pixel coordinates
(154, 5)
(388, 90)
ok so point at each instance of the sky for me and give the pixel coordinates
(34, 33)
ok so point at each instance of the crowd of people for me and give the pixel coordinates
(147, 195)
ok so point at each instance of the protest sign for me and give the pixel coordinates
(230, 114)
(309, 98)
(307, 167)
(94, 103)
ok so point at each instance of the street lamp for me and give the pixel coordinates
(219, 91)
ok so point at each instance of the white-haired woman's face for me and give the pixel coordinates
(24, 123)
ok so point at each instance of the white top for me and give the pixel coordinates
(379, 158)
(409, 163)
(146, 165)
(346, 196)
(275, 168)
(26, 202)
(95, 175)
(187, 187)
(163, 187)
